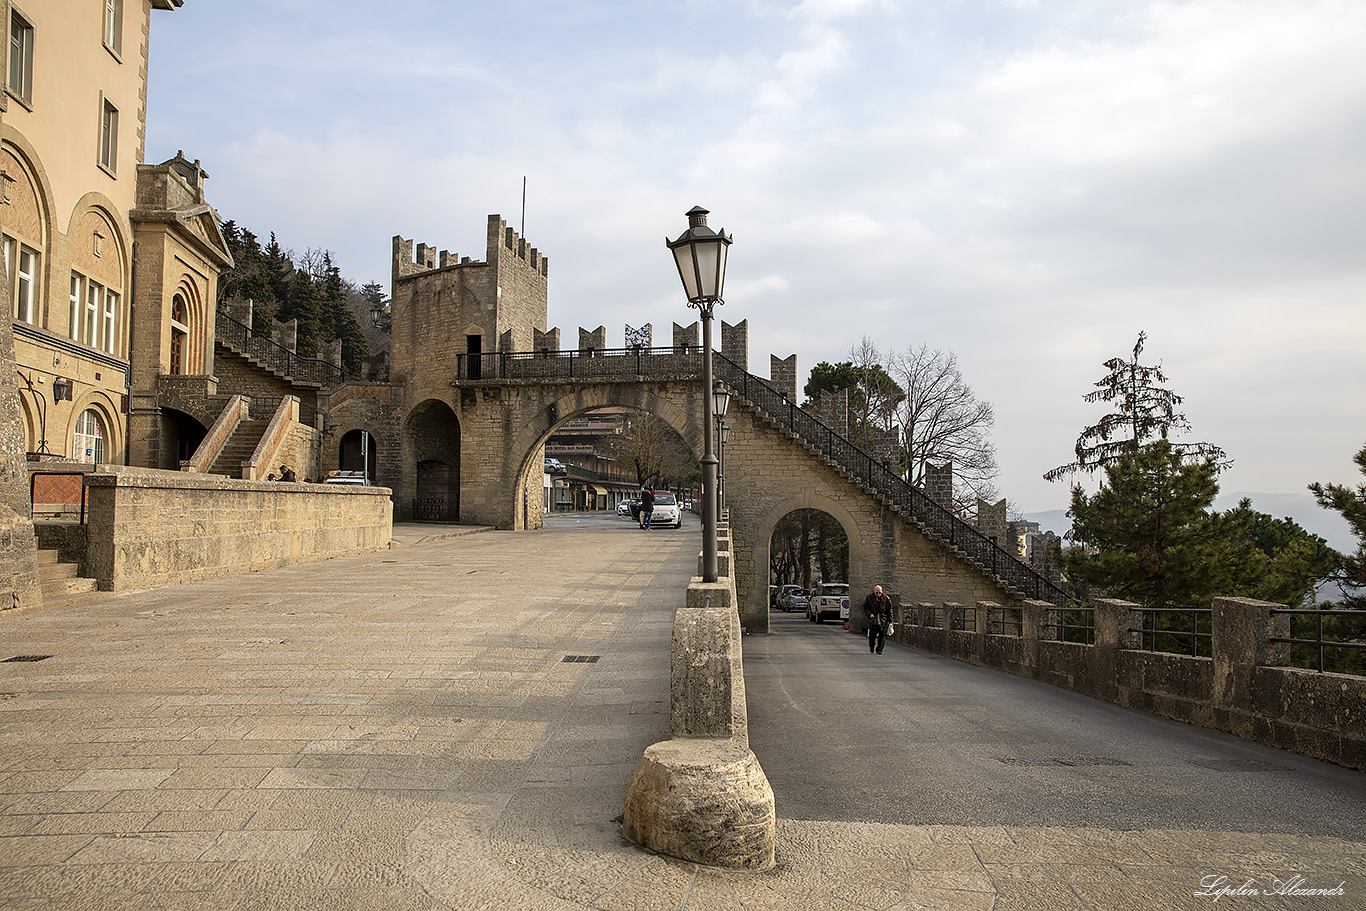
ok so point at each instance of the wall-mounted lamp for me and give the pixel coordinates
(61, 389)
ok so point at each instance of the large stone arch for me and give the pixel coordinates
(528, 444)
(432, 460)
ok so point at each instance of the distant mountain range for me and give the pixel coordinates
(1300, 507)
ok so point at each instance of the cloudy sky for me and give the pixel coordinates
(1027, 184)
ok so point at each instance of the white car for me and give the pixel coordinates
(830, 599)
(348, 478)
(666, 512)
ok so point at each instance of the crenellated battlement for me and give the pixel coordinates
(504, 247)
(427, 258)
(504, 240)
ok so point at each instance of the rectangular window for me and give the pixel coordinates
(94, 294)
(73, 322)
(111, 305)
(20, 83)
(109, 137)
(24, 303)
(113, 25)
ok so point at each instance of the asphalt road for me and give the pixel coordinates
(914, 739)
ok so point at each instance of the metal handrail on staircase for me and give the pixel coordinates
(239, 337)
(880, 480)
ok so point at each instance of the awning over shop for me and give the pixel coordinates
(597, 490)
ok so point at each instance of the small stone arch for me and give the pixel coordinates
(859, 566)
(431, 431)
(110, 428)
(32, 426)
(186, 319)
(351, 456)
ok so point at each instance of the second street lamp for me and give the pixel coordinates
(700, 254)
(723, 434)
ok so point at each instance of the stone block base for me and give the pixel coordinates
(702, 800)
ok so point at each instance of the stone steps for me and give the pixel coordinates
(239, 448)
(60, 581)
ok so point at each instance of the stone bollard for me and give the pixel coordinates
(702, 796)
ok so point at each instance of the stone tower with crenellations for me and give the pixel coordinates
(447, 308)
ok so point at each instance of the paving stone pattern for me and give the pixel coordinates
(400, 731)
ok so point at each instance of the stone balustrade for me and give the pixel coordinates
(1244, 688)
(702, 796)
(149, 527)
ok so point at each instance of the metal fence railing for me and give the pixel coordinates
(1005, 621)
(1326, 640)
(1177, 631)
(1074, 623)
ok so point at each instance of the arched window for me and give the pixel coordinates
(88, 443)
(180, 334)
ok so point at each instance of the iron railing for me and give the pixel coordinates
(1005, 621)
(1074, 623)
(1177, 631)
(239, 337)
(430, 509)
(879, 479)
(1307, 648)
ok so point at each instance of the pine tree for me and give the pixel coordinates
(1144, 411)
(1145, 535)
(1349, 570)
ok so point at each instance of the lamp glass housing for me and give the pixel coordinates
(720, 397)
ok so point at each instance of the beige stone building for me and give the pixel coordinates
(112, 265)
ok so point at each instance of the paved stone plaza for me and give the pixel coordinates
(402, 730)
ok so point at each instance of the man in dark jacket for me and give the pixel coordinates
(647, 507)
(879, 611)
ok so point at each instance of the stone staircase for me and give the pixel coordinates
(280, 362)
(1017, 578)
(239, 448)
(61, 582)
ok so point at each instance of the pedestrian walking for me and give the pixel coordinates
(879, 611)
(647, 507)
(286, 473)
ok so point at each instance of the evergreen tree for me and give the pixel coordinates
(303, 302)
(1144, 411)
(338, 320)
(1269, 559)
(1145, 536)
(1349, 570)
(373, 293)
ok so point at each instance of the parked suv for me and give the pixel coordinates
(829, 600)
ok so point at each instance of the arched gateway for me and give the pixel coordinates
(478, 384)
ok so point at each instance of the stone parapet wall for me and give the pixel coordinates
(1244, 689)
(150, 528)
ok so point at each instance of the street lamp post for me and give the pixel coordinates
(722, 434)
(700, 254)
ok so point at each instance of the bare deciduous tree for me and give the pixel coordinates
(653, 448)
(942, 420)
